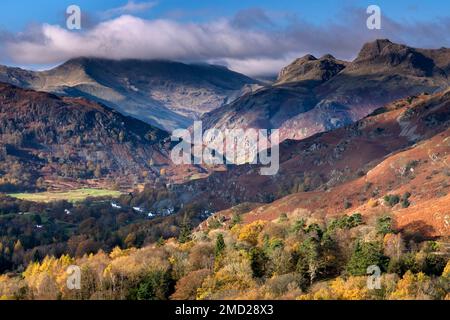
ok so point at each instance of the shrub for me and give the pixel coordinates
(372, 203)
(354, 220)
(236, 219)
(298, 225)
(347, 204)
(214, 223)
(270, 244)
(384, 225)
(411, 165)
(405, 200)
(391, 199)
(283, 217)
(314, 229)
(346, 222)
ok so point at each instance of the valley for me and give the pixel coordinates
(70, 196)
(87, 178)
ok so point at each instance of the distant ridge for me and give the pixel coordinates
(314, 95)
(163, 93)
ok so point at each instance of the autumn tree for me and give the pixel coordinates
(250, 232)
(186, 288)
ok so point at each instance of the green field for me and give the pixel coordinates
(71, 196)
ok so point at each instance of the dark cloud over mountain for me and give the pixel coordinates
(250, 42)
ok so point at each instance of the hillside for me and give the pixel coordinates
(375, 192)
(44, 138)
(417, 180)
(291, 257)
(315, 95)
(388, 152)
(165, 94)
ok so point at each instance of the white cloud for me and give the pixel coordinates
(253, 51)
(260, 66)
(129, 8)
(132, 37)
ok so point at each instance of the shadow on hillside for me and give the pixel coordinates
(418, 231)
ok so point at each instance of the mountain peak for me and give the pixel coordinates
(386, 56)
(77, 62)
(164, 93)
(383, 50)
(328, 56)
(308, 57)
(310, 68)
(381, 42)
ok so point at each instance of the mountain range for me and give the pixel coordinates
(314, 95)
(45, 137)
(338, 120)
(165, 94)
(401, 148)
(363, 180)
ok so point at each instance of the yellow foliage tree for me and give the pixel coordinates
(446, 272)
(411, 286)
(235, 277)
(352, 288)
(355, 288)
(250, 232)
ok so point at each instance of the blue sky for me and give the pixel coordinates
(17, 14)
(251, 36)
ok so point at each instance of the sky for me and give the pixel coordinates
(253, 37)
